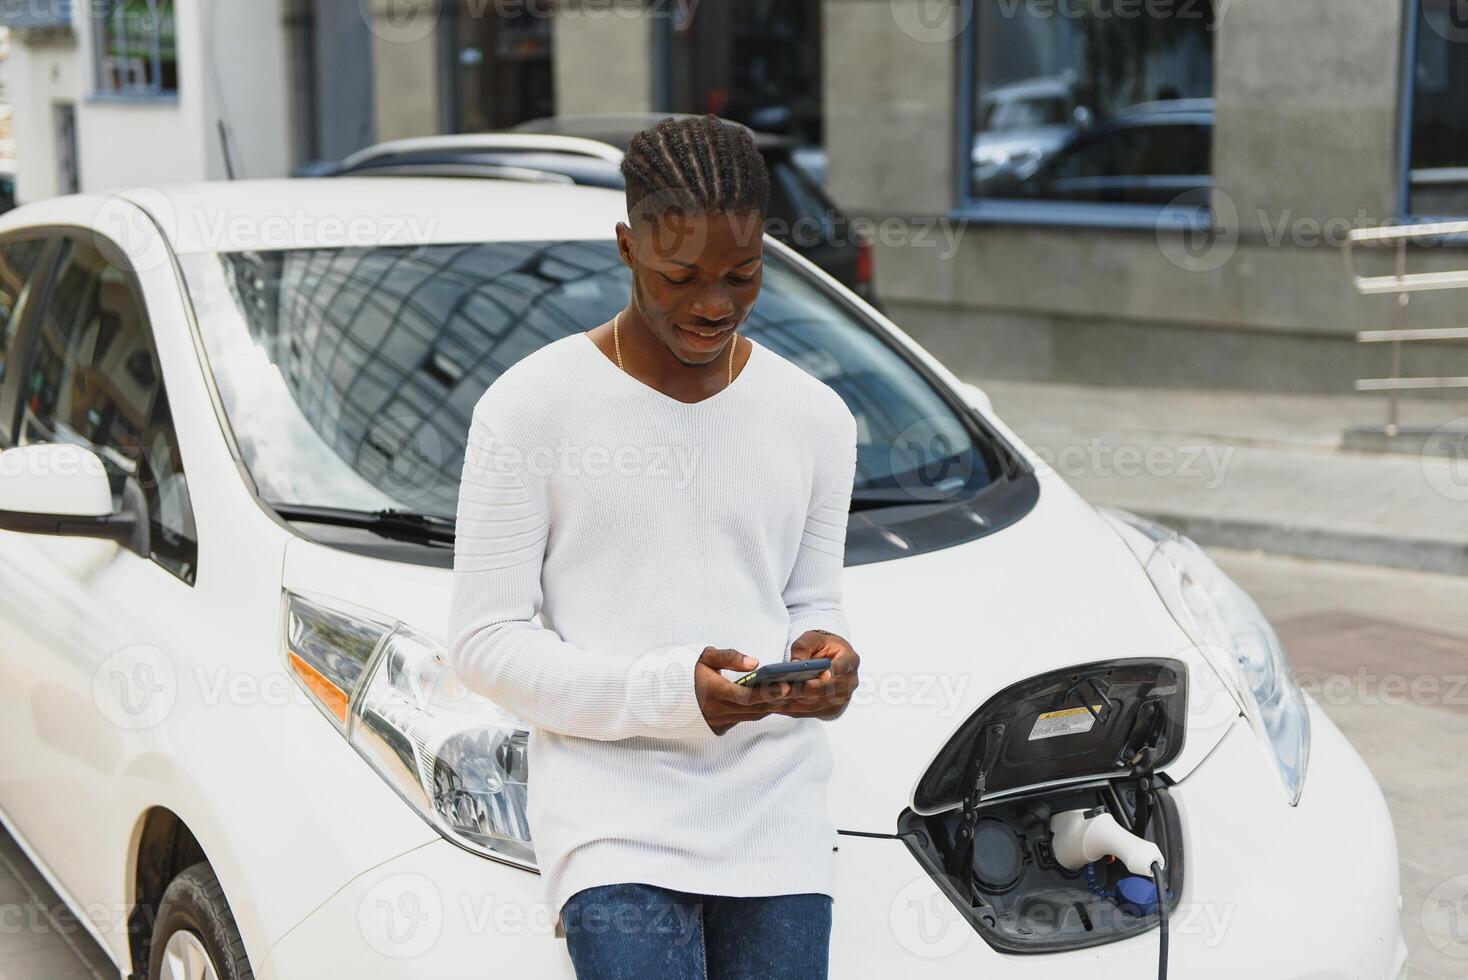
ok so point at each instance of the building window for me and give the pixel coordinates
(1437, 183)
(1085, 110)
(757, 62)
(503, 71)
(136, 49)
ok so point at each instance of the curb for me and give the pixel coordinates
(1416, 554)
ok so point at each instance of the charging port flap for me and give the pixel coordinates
(1098, 720)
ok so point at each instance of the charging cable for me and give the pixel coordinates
(1161, 919)
(1079, 837)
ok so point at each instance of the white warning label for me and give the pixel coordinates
(1070, 721)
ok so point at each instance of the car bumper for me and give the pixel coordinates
(1271, 890)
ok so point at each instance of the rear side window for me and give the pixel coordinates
(173, 541)
(17, 262)
(93, 378)
(91, 375)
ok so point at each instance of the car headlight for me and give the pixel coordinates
(1233, 634)
(452, 754)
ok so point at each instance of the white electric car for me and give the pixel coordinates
(234, 419)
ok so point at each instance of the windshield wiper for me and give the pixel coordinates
(391, 522)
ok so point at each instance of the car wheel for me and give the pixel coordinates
(195, 937)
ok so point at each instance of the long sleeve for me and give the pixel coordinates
(813, 592)
(496, 648)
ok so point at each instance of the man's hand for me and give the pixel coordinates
(826, 696)
(725, 703)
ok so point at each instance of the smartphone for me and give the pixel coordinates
(788, 671)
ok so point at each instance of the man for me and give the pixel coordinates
(672, 497)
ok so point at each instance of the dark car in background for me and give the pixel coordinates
(1150, 153)
(587, 149)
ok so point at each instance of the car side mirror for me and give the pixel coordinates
(976, 397)
(59, 488)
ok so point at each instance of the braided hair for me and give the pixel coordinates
(699, 164)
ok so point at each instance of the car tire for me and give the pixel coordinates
(193, 913)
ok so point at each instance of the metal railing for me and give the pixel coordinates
(1403, 284)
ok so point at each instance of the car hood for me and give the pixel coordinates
(941, 633)
(938, 635)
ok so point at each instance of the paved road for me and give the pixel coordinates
(1257, 470)
(1386, 652)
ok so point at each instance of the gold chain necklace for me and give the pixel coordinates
(617, 341)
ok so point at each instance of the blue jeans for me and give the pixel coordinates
(636, 931)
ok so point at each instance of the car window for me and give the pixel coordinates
(93, 378)
(1099, 155)
(349, 376)
(1184, 151)
(17, 262)
(1026, 114)
(173, 540)
(1140, 151)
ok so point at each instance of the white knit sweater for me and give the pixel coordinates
(644, 529)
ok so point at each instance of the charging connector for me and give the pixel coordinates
(1079, 837)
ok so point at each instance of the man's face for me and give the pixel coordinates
(694, 272)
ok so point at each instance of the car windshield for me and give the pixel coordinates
(349, 376)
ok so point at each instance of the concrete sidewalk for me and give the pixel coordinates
(1258, 471)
